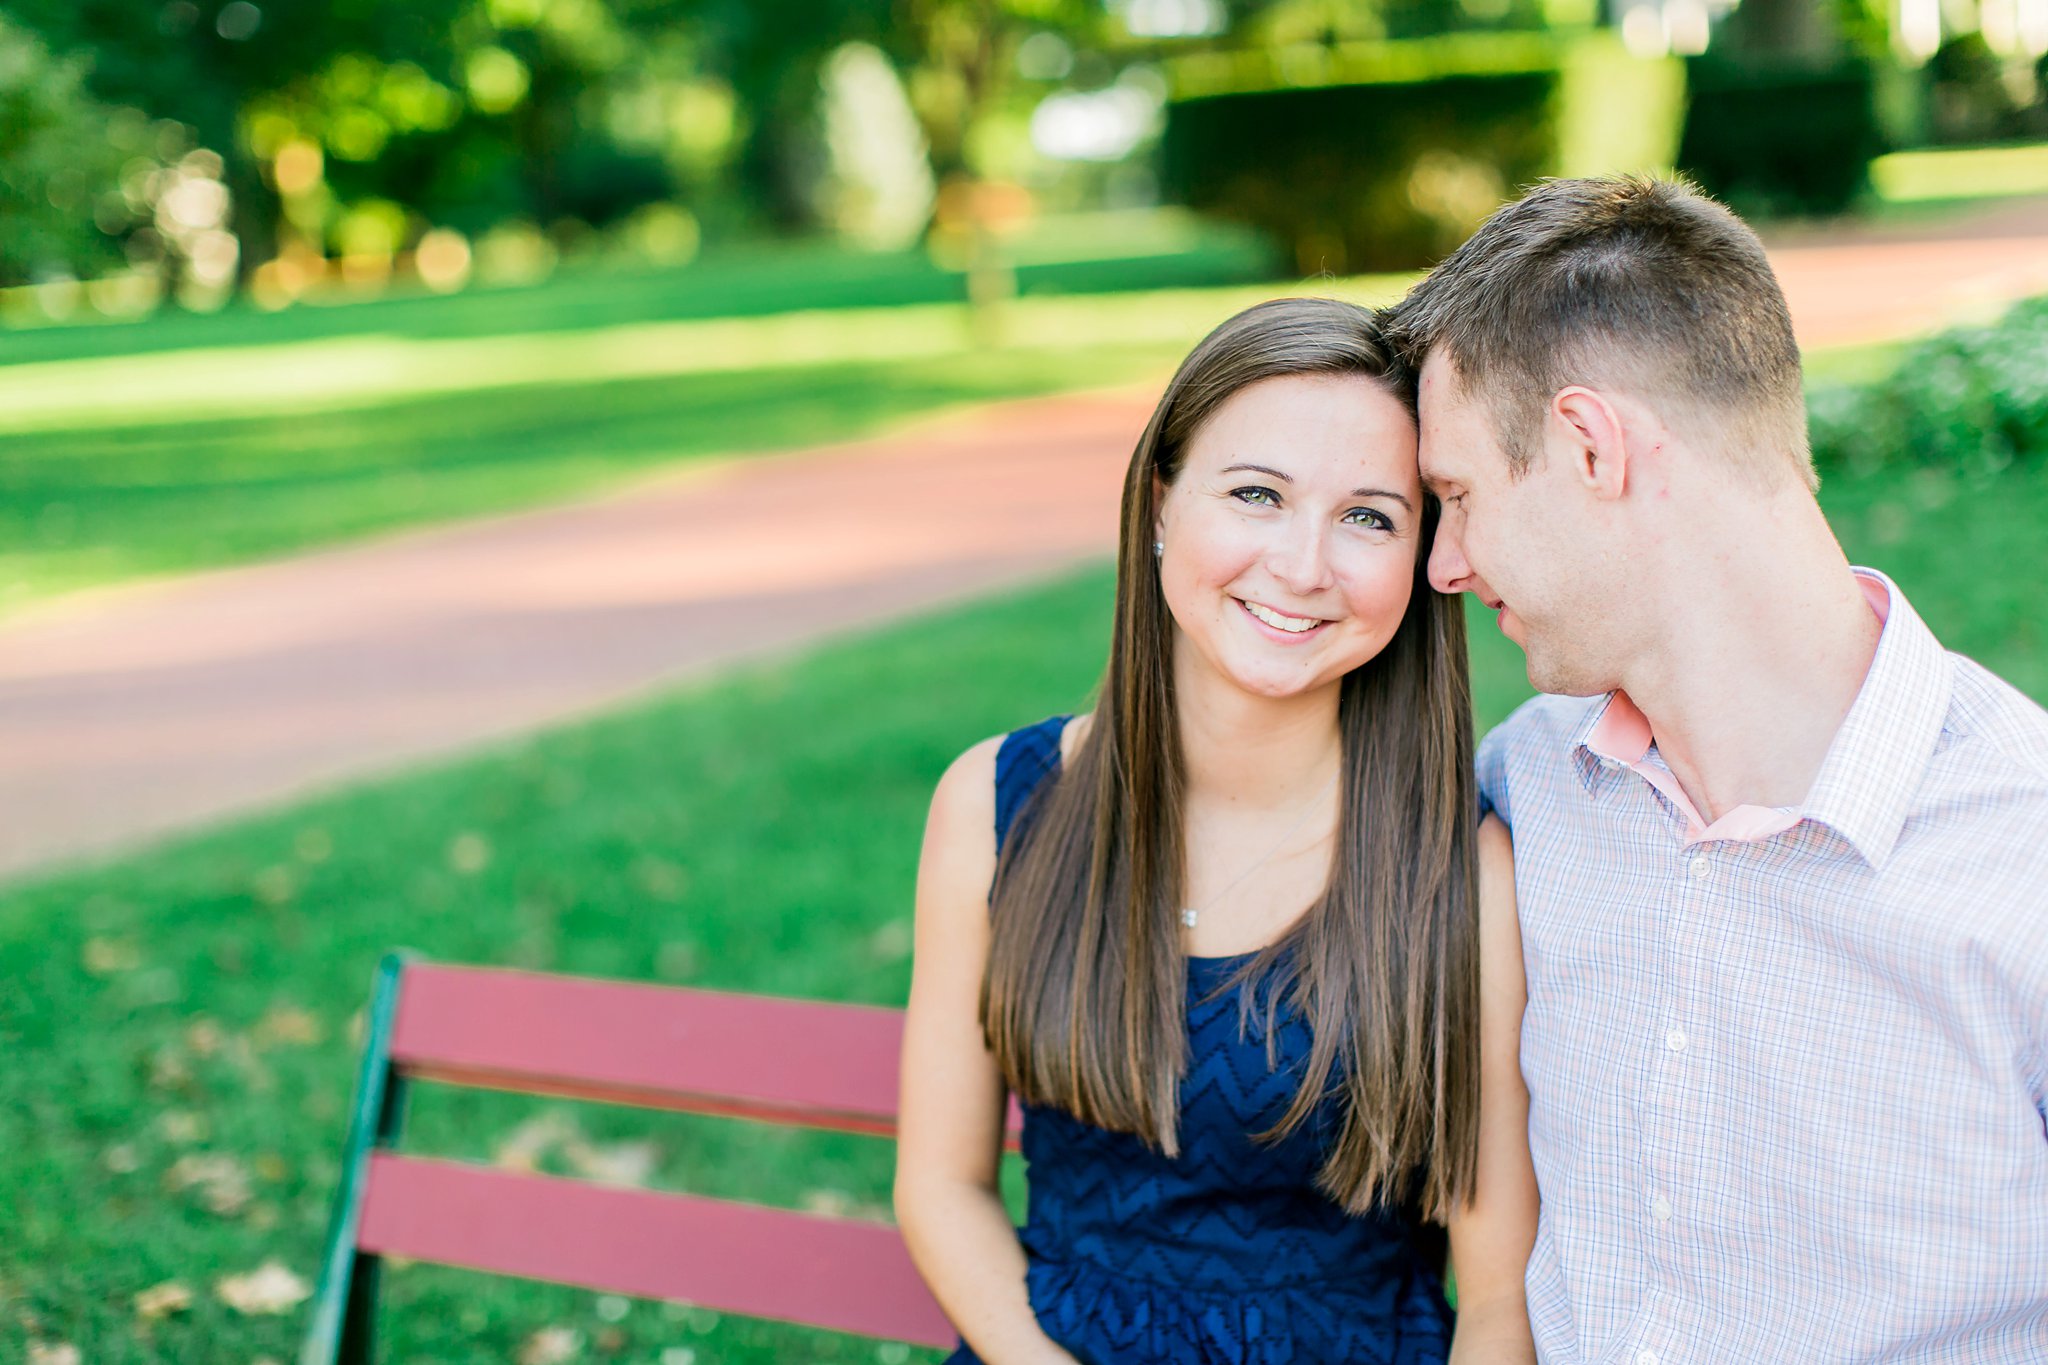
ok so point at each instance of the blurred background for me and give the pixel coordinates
(202, 156)
(553, 482)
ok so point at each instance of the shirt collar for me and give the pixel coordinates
(1872, 772)
(1866, 783)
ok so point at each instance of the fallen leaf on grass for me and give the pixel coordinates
(204, 1036)
(836, 1203)
(110, 956)
(469, 853)
(551, 1346)
(274, 886)
(181, 1126)
(168, 1069)
(891, 942)
(163, 1300)
(288, 1025)
(271, 1288)
(523, 1148)
(54, 1353)
(624, 1163)
(222, 1183)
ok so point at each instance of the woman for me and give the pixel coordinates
(1246, 962)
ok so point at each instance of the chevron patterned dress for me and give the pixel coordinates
(1226, 1254)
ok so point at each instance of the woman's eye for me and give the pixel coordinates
(1366, 516)
(1257, 497)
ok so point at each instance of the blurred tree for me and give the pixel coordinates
(62, 208)
(462, 112)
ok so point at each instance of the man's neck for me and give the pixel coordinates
(1748, 690)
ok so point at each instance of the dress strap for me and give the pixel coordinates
(1026, 758)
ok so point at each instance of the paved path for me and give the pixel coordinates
(132, 713)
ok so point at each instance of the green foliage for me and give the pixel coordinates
(1971, 400)
(1386, 156)
(1970, 98)
(62, 210)
(465, 112)
(1736, 141)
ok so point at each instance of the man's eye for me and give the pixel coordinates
(1366, 516)
(1257, 497)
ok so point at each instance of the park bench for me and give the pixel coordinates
(706, 1052)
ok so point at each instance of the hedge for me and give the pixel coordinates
(1973, 399)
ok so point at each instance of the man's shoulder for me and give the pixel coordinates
(1532, 746)
(2003, 728)
(1989, 769)
(1540, 728)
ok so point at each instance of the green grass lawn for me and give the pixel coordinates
(117, 467)
(179, 1027)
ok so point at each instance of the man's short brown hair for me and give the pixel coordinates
(1627, 281)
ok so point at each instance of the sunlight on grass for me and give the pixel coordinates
(364, 371)
(1952, 173)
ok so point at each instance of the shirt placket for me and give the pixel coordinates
(1671, 1086)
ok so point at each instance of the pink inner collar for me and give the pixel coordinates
(1623, 735)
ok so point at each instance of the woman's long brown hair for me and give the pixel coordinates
(1085, 996)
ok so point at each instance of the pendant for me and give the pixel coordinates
(1187, 919)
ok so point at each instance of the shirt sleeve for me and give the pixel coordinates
(1492, 766)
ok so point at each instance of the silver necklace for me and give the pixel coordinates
(1190, 915)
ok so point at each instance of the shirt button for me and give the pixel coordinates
(1701, 867)
(1660, 1209)
(1675, 1040)
(1646, 1358)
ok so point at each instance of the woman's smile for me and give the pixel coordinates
(1279, 622)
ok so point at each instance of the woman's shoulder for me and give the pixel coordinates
(985, 779)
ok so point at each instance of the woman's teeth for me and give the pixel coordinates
(1294, 625)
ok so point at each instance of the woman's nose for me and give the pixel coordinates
(1301, 561)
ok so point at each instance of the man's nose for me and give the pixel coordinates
(1448, 570)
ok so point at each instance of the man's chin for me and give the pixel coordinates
(1547, 672)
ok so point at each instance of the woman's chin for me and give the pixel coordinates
(1275, 684)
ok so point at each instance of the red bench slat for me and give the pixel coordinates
(840, 1273)
(827, 1065)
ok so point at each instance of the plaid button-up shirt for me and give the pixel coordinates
(1788, 1072)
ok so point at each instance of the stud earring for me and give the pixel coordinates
(1158, 549)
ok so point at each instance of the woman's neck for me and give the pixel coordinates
(1252, 751)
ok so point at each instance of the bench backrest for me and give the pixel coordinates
(780, 1061)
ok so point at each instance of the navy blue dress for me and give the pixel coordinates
(1228, 1254)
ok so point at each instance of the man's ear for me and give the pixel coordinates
(1593, 439)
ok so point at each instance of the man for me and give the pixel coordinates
(1782, 861)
